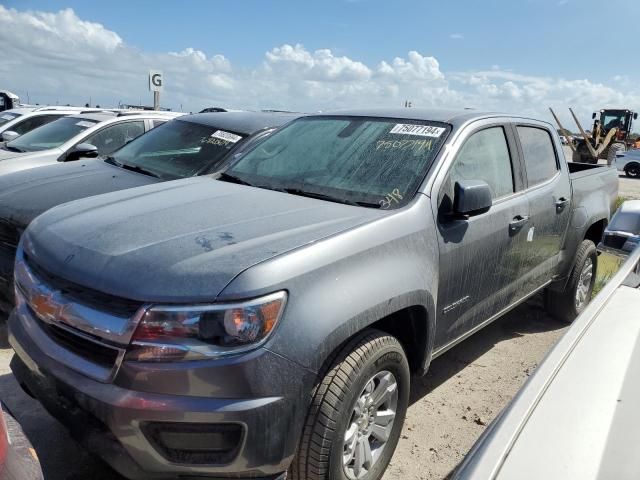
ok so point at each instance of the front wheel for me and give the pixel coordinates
(570, 303)
(356, 413)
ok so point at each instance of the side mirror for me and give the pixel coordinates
(9, 135)
(82, 150)
(593, 115)
(471, 197)
(635, 116)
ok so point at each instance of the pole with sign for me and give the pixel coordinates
(155, 85)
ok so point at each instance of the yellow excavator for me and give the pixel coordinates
(609, 135)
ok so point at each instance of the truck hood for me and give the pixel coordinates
(25, 195)
(180, 241)
(17, 161)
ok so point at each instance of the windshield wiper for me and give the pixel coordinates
(13, 149)
(137, 169)
(330, 198)
(133, 168)
(112, 161)
(226, 177)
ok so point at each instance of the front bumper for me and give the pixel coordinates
(110, 418)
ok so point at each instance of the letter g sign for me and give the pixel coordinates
(155, 81)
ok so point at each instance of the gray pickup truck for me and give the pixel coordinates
(267, 319)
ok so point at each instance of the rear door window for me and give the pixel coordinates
(111, 138)
(540, 157)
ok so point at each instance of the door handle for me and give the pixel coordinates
(517, 223)
(561, 203)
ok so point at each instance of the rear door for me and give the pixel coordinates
(549, 195)
(480, 255)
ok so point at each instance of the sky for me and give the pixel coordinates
(519, 56)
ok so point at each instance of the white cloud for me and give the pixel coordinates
(59, 56)
(456, 36)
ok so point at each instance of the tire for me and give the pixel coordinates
(564, 305)
(365, 363)
(613, 150)
(632, 170)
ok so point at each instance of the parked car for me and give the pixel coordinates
(76, 136)
(269, 319)
(18, 459)
(19, 121)
(622, 235)
(8, 100)
(187, 146)
(576, 417)
(629, 163)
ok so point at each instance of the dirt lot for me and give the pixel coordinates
(629, 187)
(464, 390)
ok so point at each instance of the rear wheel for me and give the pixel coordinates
(632, 170)
(570, 303)
(356, 413)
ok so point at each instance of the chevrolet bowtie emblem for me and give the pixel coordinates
(45, 306)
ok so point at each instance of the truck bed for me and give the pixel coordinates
(594, 187)
(584, 168)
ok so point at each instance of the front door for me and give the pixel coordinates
(480, 255)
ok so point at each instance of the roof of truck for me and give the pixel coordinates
(453, 117)
(243, 122)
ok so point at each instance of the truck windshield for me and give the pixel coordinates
(177, 149)
(613, 120)
(51, 135)
(368, 161)
(7, 117)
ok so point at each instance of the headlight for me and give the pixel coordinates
(205, 331)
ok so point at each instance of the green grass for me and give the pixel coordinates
(619, 201)
(608, 266)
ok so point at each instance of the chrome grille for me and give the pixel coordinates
(91, 334)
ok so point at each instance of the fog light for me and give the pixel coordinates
(189, 443)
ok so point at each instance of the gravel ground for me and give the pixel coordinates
(629, 187)
(450, 407)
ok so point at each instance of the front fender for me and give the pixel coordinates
(341, 285)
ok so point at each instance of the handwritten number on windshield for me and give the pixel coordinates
(390, 198)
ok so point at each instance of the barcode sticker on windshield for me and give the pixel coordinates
(419, 130)
(7, 117)
(82, 123)
(229, 137)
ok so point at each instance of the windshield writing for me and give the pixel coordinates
(178, 149)
(372, 161)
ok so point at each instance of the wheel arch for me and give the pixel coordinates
(409, 317)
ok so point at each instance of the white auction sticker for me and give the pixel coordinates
(82, 123)
(227, 136)
(7, 117)
(419, 130)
